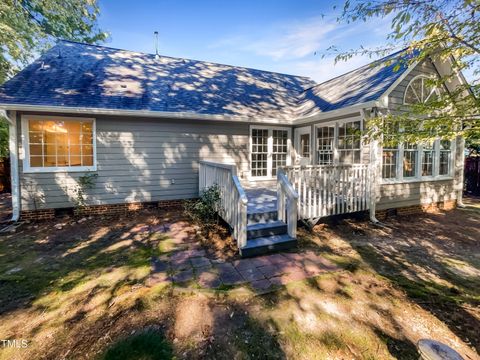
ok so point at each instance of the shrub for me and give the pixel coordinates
(205, 209)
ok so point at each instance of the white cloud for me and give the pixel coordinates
(290, 47)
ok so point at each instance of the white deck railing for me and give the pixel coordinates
(233, 200)
(326, 190)
(287, 203)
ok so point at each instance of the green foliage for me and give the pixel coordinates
(28, 27)
(148, 345)
(447, 31)
(85, 182)
(205, 210)
(3, 138)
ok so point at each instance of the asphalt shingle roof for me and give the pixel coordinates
(86, 76)
(361, 85)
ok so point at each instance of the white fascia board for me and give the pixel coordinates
(334, 113)
(189, 115)
(144, 113)
(383, 100)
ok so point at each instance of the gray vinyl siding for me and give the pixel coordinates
(137, 160)
(418, 192)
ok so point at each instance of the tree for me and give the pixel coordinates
(29, 27)
(442, 29)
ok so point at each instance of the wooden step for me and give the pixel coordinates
(266, 229)
(267, 244)
(262, 217)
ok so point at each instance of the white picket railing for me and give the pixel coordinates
(287, 203)
(326, 190)
(233, 200)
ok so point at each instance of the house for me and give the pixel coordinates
(155, 128)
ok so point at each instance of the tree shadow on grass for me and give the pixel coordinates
(413, 263)
(146, 345)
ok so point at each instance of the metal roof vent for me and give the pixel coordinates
(155, 34)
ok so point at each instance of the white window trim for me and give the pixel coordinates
(297, 148)
(436, 147)
(335, 124)
(432, 77)
(26, 148)
(419, 178)
(269, 149)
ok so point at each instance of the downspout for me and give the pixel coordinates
(14, 176)
(373, 172)
(461, 154)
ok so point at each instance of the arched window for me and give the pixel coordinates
(420, 90)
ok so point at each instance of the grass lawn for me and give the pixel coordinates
(81, 292)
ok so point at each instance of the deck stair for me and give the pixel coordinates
(260, 221)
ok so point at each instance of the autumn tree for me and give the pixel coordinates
(447, 30)
(29, 27)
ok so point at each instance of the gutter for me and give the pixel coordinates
(189, 115)
(14, 175)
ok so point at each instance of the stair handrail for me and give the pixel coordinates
(233, 199)
(287, 203)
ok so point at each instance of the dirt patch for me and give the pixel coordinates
(81, 292)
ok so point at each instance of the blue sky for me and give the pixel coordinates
(279, 35)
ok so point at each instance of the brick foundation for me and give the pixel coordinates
(45, 214)
(416, 209)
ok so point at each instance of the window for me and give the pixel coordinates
(445, 156)
(428, 159)
(325, 145)
(349, 142)
(58, 144)
(280, 150)
(259, 152)
(269, 150)
(417, 161)
(305, 145)
(410, 152)
(420, 90)
(339, 143)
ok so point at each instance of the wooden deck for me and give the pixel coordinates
(263, 215)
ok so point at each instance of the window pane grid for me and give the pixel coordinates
(60, 143)
(409, 160)
(389, 163)
(445, 154)
(259, 152)
(349, 142)
(325, 141)
(279, 155)
(428, 160)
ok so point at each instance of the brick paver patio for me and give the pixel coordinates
(189, 264)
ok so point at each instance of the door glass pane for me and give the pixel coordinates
(305, 145)
(280, 150)
(259, 152)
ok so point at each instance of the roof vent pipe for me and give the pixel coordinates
(156, 44)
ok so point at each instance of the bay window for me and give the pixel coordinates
(56, 144)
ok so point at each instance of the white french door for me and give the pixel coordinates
(269, 151)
